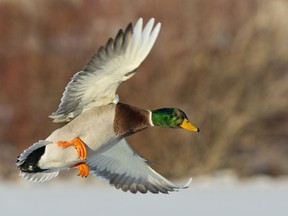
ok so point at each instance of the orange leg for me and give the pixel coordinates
(83, 169)
(79, 146)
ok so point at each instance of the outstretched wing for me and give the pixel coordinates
(114, 63)
(125, 169)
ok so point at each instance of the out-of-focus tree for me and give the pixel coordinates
(224, 62)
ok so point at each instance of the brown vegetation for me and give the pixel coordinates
(224, 62)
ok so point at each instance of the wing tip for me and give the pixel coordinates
(187, 184)
(140, 21)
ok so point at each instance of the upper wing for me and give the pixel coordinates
(114, 63)
(125, 169)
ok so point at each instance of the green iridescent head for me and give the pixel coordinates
(172, 118)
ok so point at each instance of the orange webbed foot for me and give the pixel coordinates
(83, 169)
(79, 146)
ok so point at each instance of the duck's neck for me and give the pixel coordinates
(129, 120)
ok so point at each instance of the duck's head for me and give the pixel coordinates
(172, 118)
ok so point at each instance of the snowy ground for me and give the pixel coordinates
(206, 196)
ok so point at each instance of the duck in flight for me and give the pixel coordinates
(93, 138)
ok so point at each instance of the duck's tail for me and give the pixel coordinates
(27, 162)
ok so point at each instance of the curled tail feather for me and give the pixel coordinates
(27, 163)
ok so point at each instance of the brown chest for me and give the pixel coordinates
(129, 120)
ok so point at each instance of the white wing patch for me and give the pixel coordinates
(125, 169)
(114, 63)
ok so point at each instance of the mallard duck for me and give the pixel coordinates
(93, 138)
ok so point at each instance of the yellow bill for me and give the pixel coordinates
(186, 124)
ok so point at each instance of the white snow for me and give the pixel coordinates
(206, 196)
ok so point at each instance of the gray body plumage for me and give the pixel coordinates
(94, 127)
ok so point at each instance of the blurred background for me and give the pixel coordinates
(224, 62)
